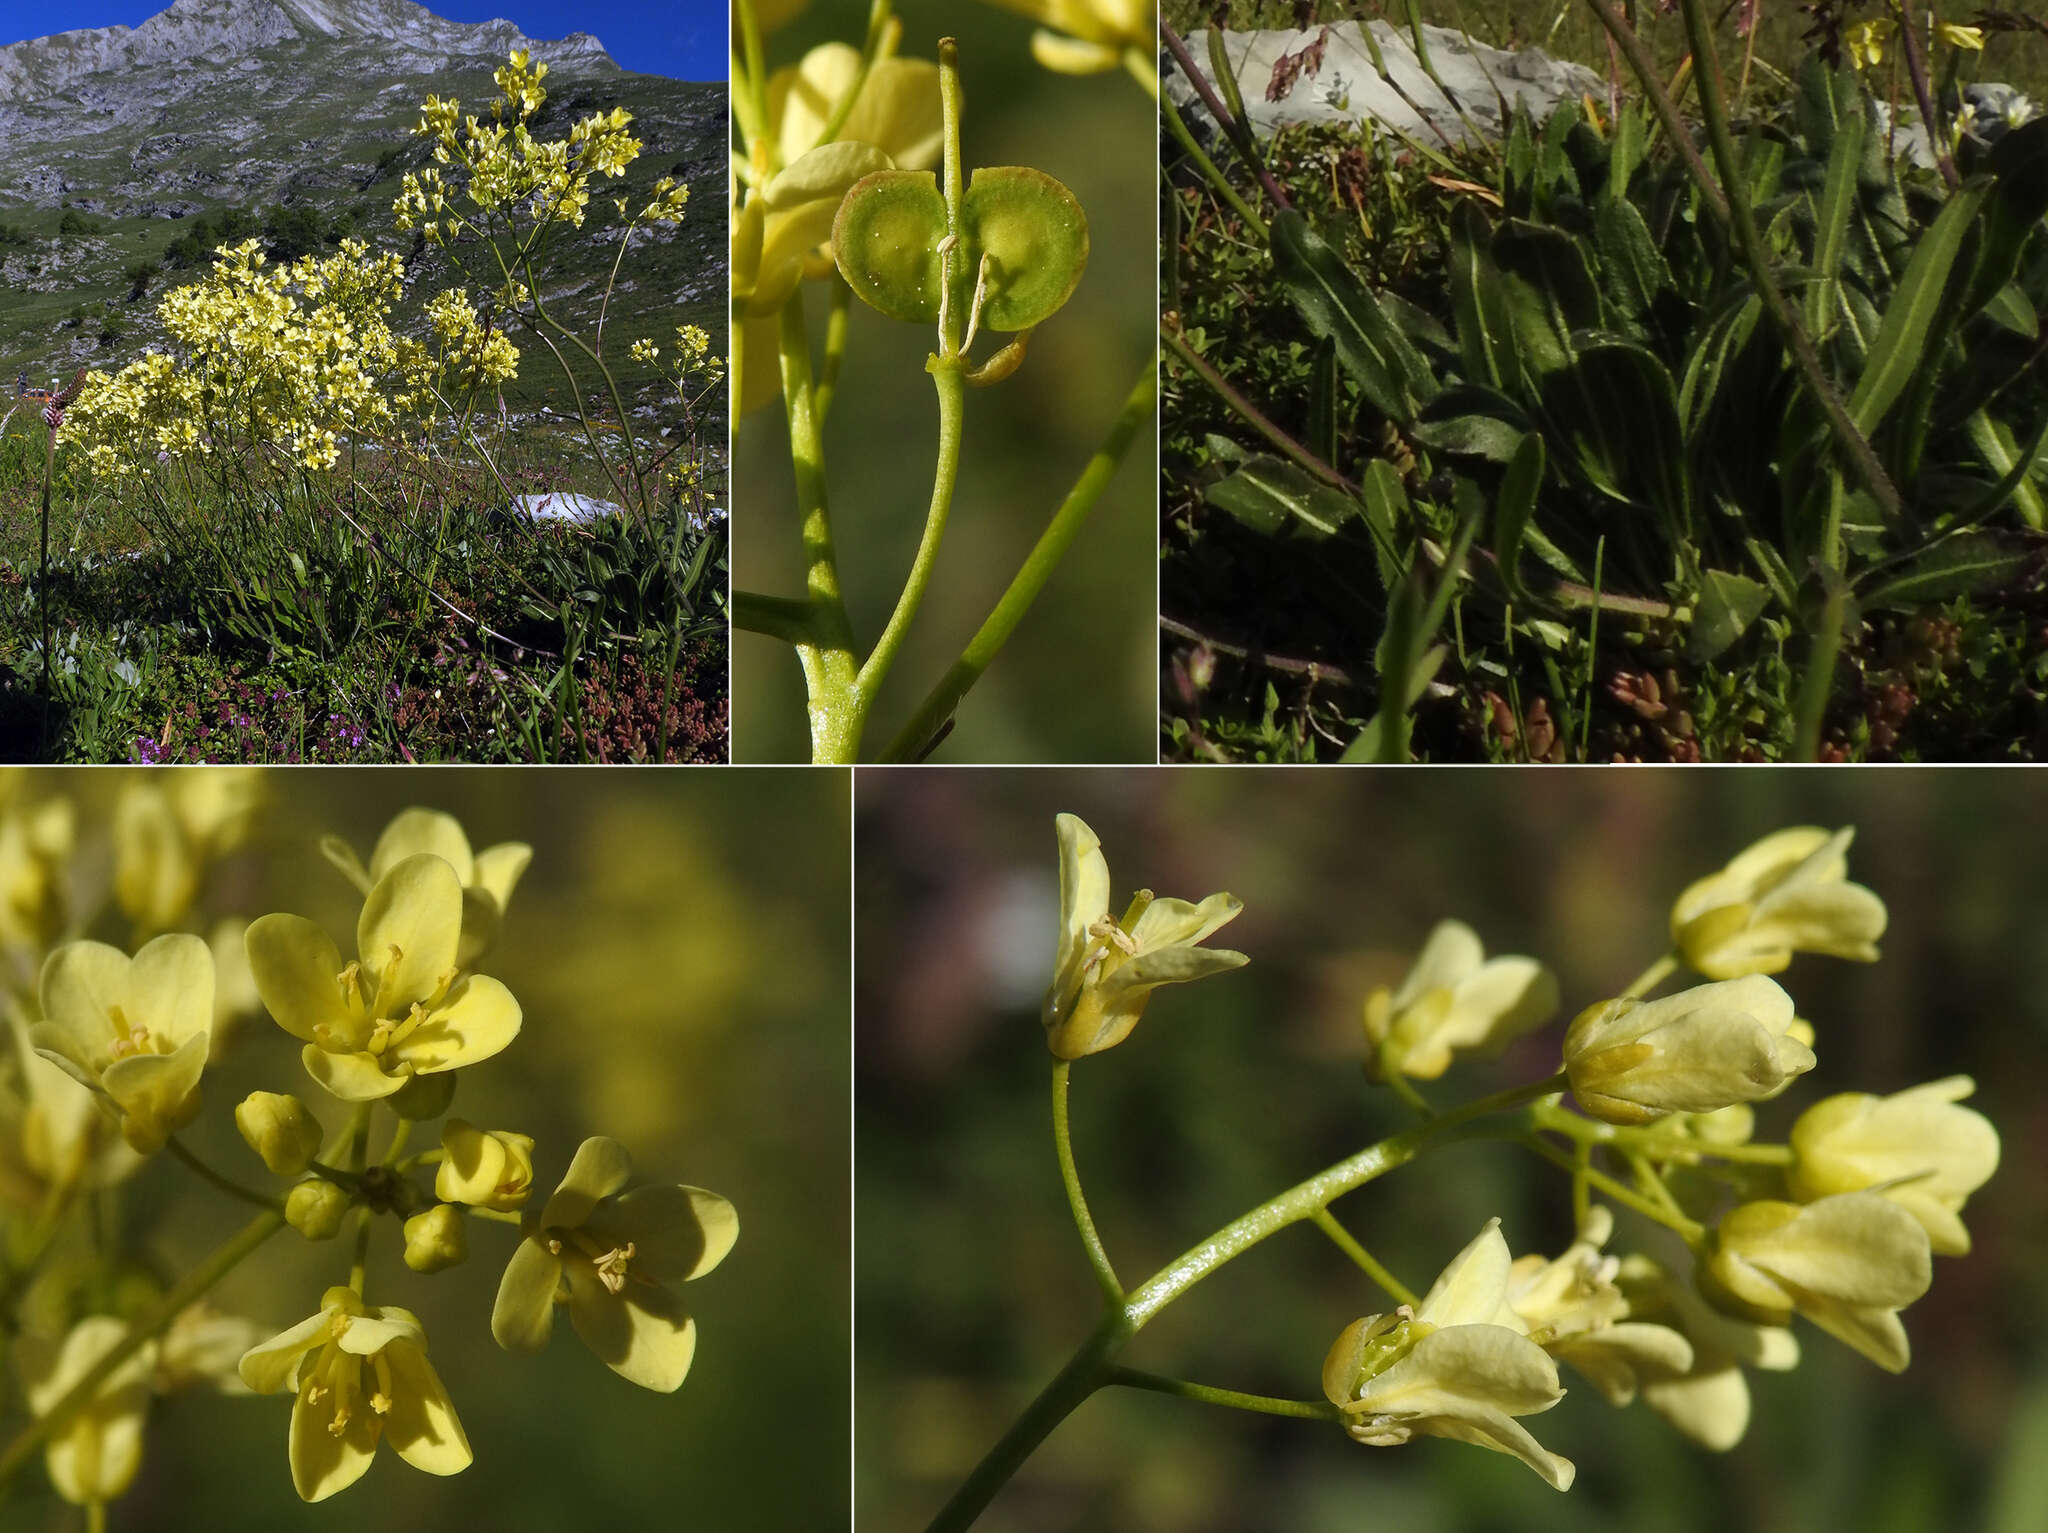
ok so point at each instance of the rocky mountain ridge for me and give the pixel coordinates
(193, 34)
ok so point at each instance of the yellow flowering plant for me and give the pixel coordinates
(1652, 1115)
(853, 186)
(111, 1011)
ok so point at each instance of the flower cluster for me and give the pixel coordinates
(110, 1046)
(1838, 1225)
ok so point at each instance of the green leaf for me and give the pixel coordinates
(1831, 219)
(1386, 512)
(1320, 436)
(1629, 258)
(1906, 340)
(1728, 604)
(1272, 496)
(1339, 306)
(2017, 204)
(1515, 508)
(1547, 291)
(1484, 339)
(2010, 309)
(1968, 564)
(1618, 412)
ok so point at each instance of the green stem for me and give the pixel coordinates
(1369, 1264)
(1208, 1394)
(919, 733)
(1690, 1231)
(779, 617)
(1645, 68)
(145, 1327)
(359, 1263)
(952, 387)
(827, 657)
(1811, 709)
(1138, 64)
(1652, 977)
(1177, 126)
(1098, 1258)
(399, 1135)
(1400, 1085)
(232, 1188)
(1092, 1365)
(1319, 1191)
(1654, 1142)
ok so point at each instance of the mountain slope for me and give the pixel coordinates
(115, 141)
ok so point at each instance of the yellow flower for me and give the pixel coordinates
(133, 1028)
(35, 843)
(1097, 32)
(1708, 1401)
(1864, 41)
(361, 1373)
(436, 1239)
(1104, 970)
(1694, 1052)
(1459, 1366)
(1576, 1312)
(404, 1007)
(1848, 1263)
(1455, 998)
(1789, 893)
(93, 1457)
(1955, 36)
(614, 1254)
(1916, 1147)
(485, 1169)
(169, 827)
(488, 877)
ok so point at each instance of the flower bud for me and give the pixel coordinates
(1695, 1052)
(1848, 1263)
(483, 1168)
(315, 1208)
(1917, 1148)
(1454, 998)
(1789, 893)
(279, 1129)
(436, 1239)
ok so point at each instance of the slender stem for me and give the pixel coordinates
(918, 734)
(1645, 68)
(878, 23)
(952, 389)
(1091, 1367)
(1811, 707)
(1369, 1264)
(43, 570)
(1656, 1143)
(145, 1327)
(96, 1517)
(1239, 134)
(779, 617)
(1916, 70)
(1582, 1198)
(1208, 1394)
(1651, 1184)
(359, 1263)
(399, 1135)
(1400, 1085)
(1086, 1371)
(1692, 1232)
(1250, 412)
(1138, 64)
(835, 345)
(1098, 1258)
(1652, 977)
(232, 1188)
(1199, 157)
(1319, 1191)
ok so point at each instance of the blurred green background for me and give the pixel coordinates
(679, 948)
(970, 1283)
(1077, 680)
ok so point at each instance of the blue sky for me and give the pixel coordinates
(684, 39)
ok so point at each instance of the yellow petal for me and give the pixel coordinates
(643, 1335)
(169, 987)
(478, 1019)
(269, 1366)
(677, 1233)
(158, 1094)
(523, 1316)
(422, 1424)
(413, 831)
(414, 913)
(323, 1463)
(599, 1168)
(351, 1077)
(296, 966)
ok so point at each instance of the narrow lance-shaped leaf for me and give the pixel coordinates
(1336, 304)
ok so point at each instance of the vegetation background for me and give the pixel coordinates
(679, 949)
(971, 1285)
(1077, 680)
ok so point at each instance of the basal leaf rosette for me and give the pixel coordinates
(488, 877)
(611, 1256)
(1459, 1366)
(133, 1029)
(403, 1007)
(361, 1375)
(1789, 893)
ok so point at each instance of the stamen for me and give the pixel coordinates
(611, 1267)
